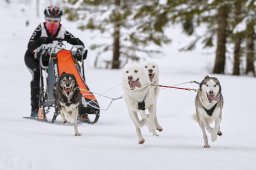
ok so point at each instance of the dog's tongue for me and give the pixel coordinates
(212, 97)
(134, 84)
(67, 90)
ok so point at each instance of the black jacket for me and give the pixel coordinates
(36, 38)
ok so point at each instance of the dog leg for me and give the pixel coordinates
(158, 126)
(141, 140)
(151, 120)
(136, 120)
(144, 117)
(63, 117)
(215, 129)
(207, 126)
(75, 123)
(206, 144)
(219, 132)
(138, 125)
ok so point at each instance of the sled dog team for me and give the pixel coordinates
(139, 83)
(141, 91)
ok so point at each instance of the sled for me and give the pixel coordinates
(63, 60)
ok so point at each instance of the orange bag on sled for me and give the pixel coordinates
(67, 64)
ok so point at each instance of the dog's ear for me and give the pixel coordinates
(200, 85)
(206, 77)
(218, 83)
(202, 82)
(73, 77)
(62, 74)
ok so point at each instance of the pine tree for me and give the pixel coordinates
(125, 22)
(237, 37)
(222, 16)
(250, 37)
(250, 48)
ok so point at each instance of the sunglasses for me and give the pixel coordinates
(52, 19)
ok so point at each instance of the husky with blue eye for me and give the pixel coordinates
(209, 104)
(68, 97)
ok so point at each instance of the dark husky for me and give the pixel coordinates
(68, 97)
(209, 104)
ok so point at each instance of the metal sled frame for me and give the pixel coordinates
(44, 102)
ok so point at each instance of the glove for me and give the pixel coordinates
(45, 40)
(85, 55)
(81, 53)
(42, 52)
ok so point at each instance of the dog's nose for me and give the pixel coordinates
(150, 71)
(211, 92)
(130, 77)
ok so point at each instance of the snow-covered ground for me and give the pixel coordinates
(111, 144)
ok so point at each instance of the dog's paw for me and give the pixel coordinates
(141, 141)
(206, 146)
(159, 128)
(78, 134)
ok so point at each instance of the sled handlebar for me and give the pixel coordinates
(50, 50)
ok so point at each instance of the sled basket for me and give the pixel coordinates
(89, 104)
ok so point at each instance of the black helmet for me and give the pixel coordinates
(53, 12)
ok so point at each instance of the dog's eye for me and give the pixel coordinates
(154, 66)
(135, 71)
(215, 85)
(127, 71)
(146, 66)
(206, 85)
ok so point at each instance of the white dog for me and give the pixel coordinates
(139, 97)
(209, 104)
(153, 74)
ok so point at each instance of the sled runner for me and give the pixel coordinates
(56, 122)
(54, 60)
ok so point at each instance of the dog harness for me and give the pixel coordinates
(210, 111)
(141, 105)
